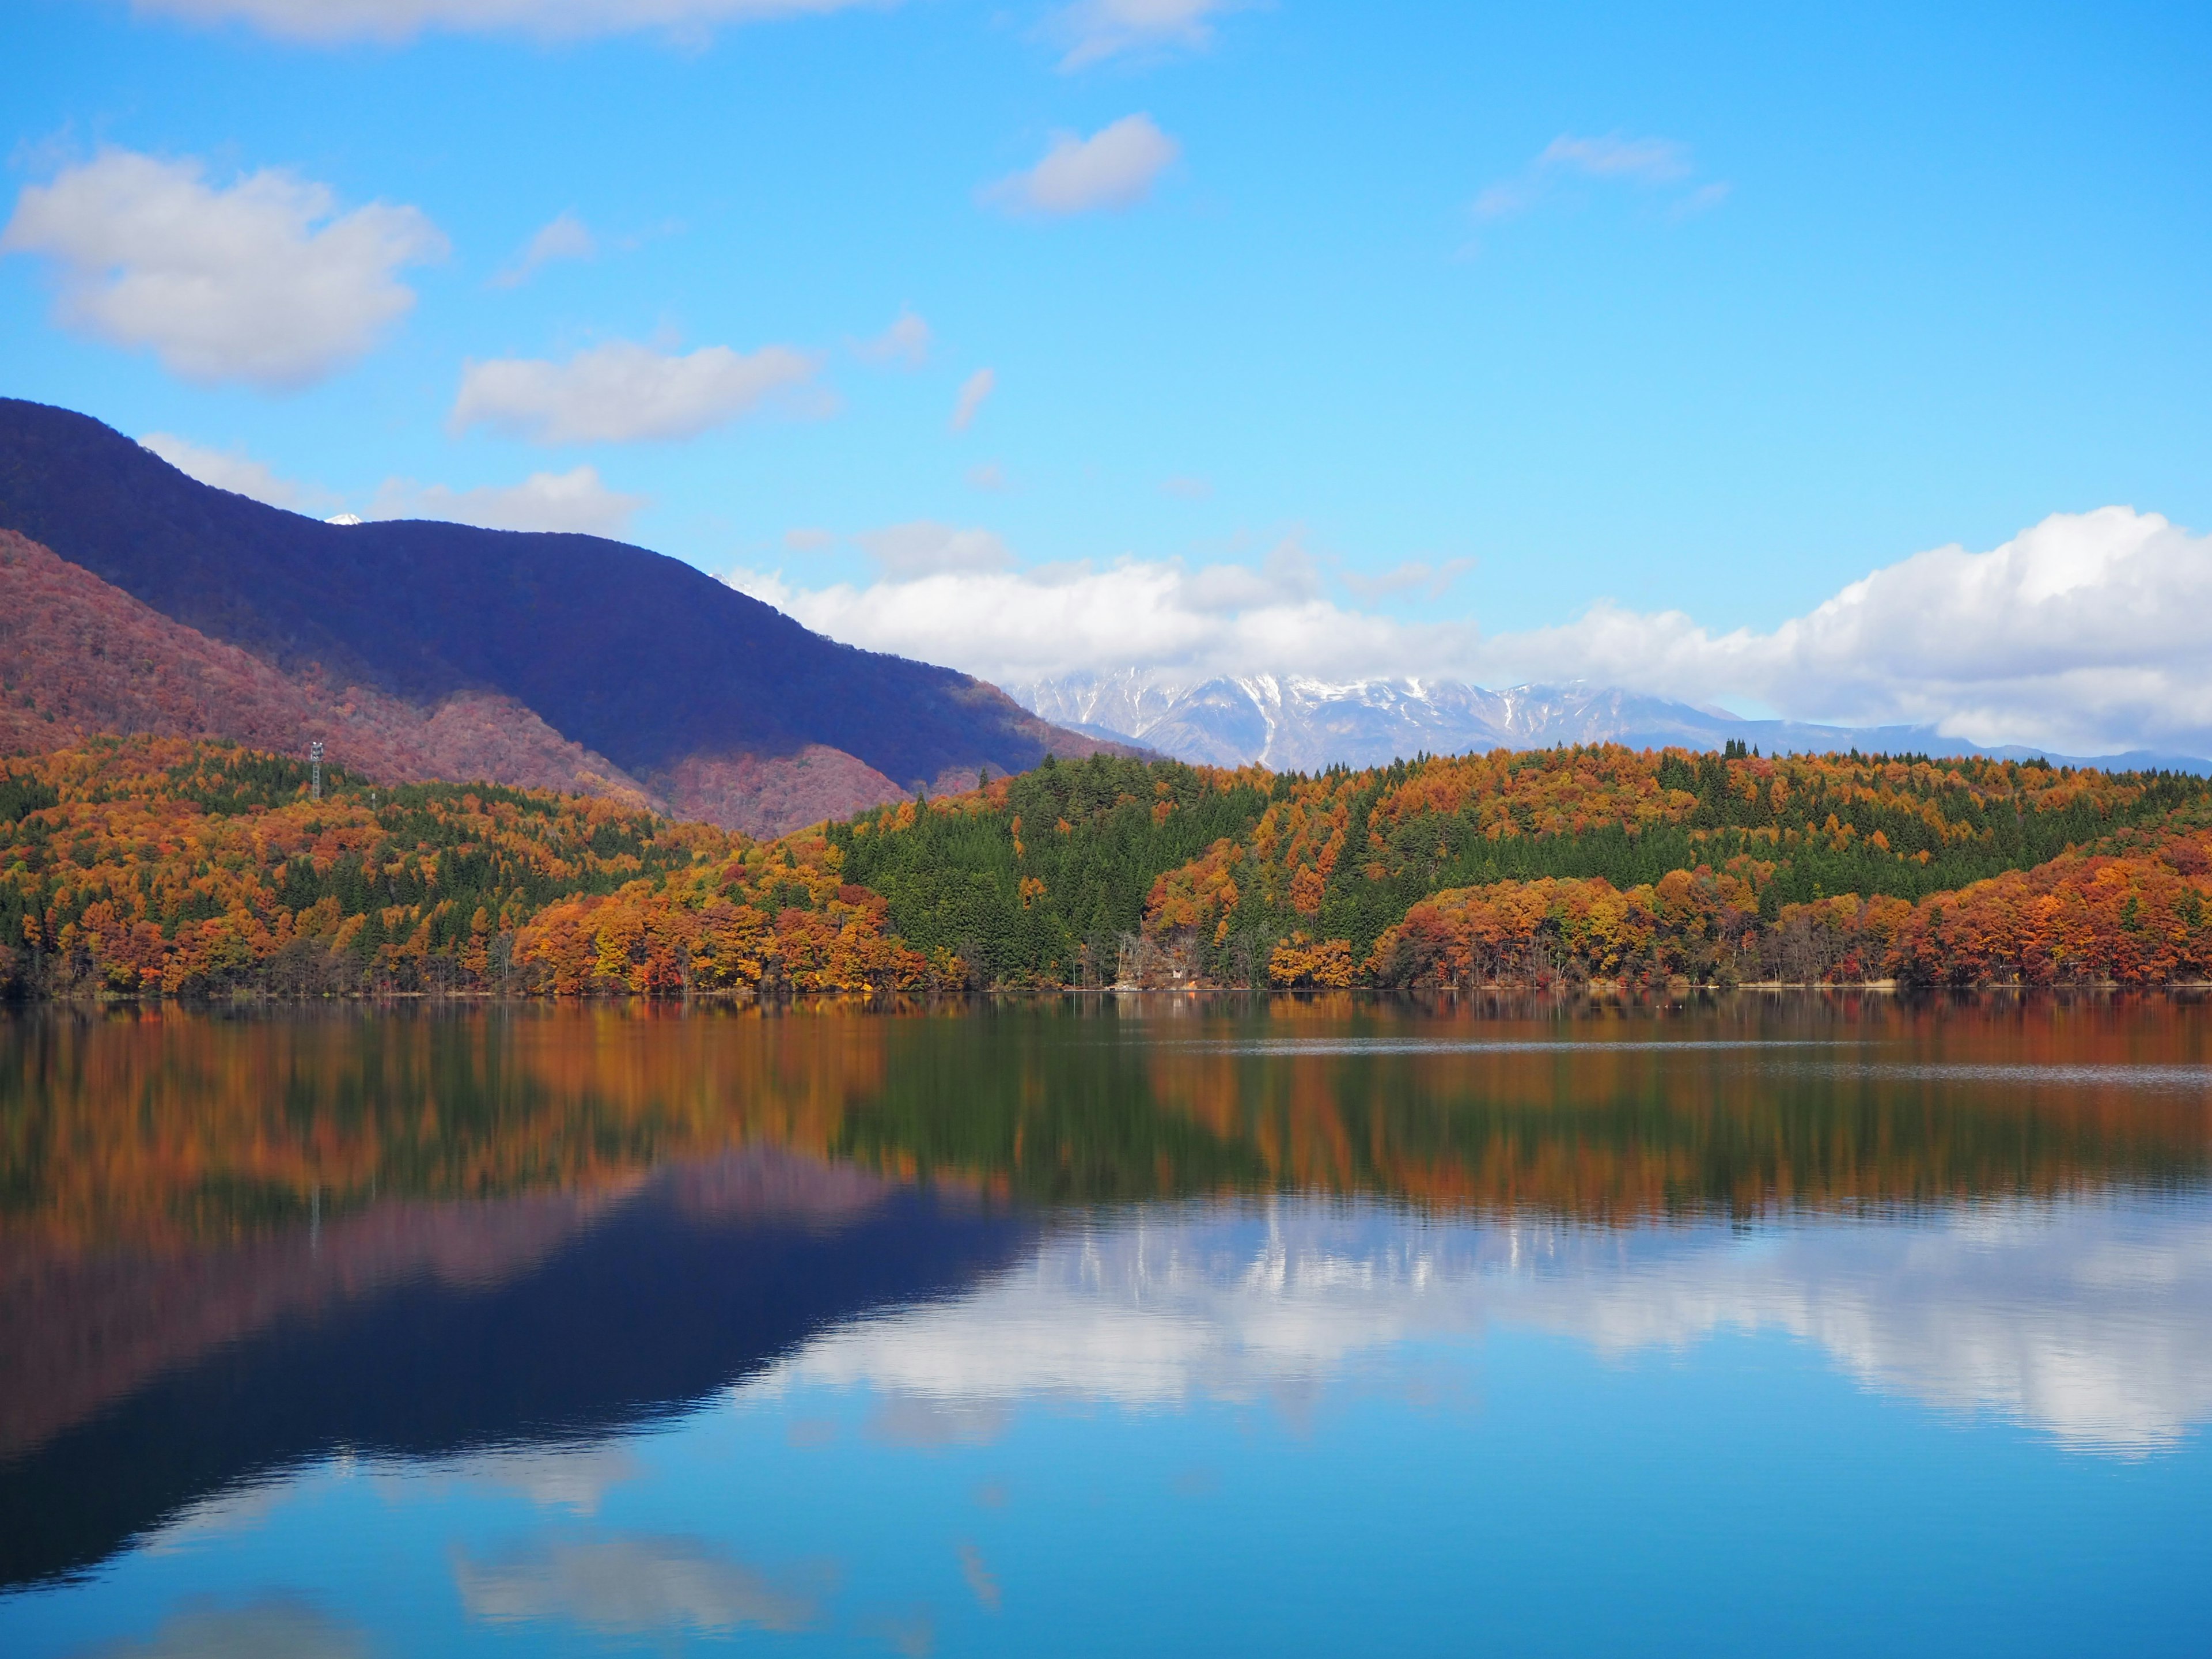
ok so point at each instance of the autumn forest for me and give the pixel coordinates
(163, 867)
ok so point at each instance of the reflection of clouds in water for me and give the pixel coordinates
(237, 1509)
(927, 1424)
(634, 1584)
(573, 1478)
(912, 1633)
(981, 1580)
(277, 1628)
(2093, 1322)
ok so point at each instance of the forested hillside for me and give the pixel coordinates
(1041, 875)
(146, 866)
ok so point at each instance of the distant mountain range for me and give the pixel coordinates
(1288, 723)
(133, 597)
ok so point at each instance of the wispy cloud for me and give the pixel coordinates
(239, 472)
(1093, 30)
(973, 391)
(904, 344)
(1413, 576)
(1112, 170)
(625, 392)
(330, 22)
(574, 500)
(263, 281)
(905, 552)
(565, 237)
(1647, 163)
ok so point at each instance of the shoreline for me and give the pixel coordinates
(1605, 990)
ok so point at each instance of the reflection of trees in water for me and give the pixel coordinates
(1593, 1125)
(163, 1125)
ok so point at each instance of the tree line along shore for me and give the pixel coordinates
(145, 867)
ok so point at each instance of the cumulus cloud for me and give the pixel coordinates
(573, 501)
(1650, 162)
(904, 344)
(625, 392)
(564, 237)
(263, 282)
(1016, 625)
(235, 470)
(1114, 168)
(326, 22)
(2083, 635)
(1097, 29)
(631, 1585)
(973, 391)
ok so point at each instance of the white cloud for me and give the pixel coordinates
(263, 282)
(1114, 168)
(235, 470)
(904, 344)
(988, 476)
(807, 539)
(1014, 625)
(973, 391)
(575, 501)
(925, 548)
(328, 22)
(1185, 487)
(563, 237)
(1651, 162)
(1097, 29)
(2083, 634)
(625, 392)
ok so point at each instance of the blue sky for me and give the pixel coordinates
(1704, 309)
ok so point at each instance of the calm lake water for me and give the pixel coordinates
(1753, 1327)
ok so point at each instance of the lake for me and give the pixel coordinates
(1752, 1325)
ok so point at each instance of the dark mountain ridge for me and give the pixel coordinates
(634, 655)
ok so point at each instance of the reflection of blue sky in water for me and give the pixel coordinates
(1321, 1427)
(2092, 1323)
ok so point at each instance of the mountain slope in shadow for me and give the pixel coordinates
(686, 685)
(509, 1324)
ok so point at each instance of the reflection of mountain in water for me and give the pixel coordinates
(2091, 1322)
(464, 1327)
(228, 1244)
